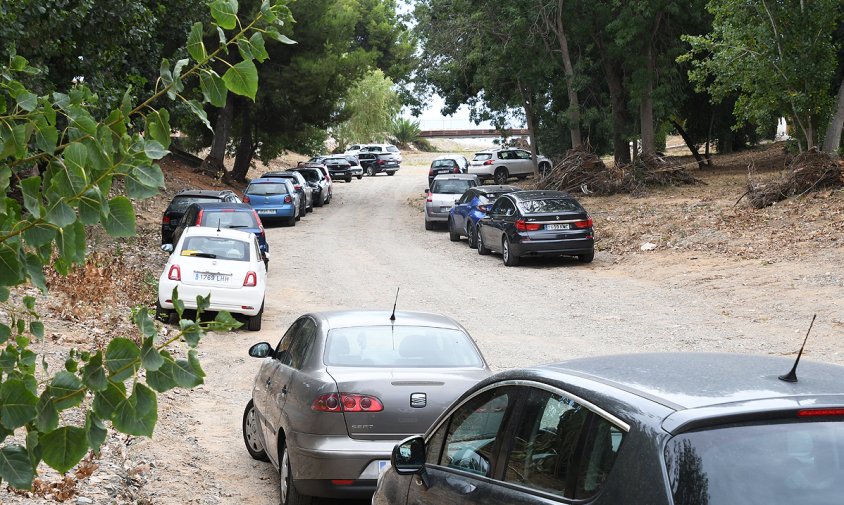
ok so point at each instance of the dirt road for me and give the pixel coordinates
(370, 240)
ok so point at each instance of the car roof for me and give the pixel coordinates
(352, 318)
(209, 231)
(222, 205)
(279, 173)
(470, 177)
(203, 192)
(448, 156)
(274, 180)
(538, 194)
(497, 188)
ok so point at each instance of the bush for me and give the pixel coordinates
(405, 131)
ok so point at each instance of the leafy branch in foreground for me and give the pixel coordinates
(57, 166)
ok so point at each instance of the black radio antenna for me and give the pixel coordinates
(792, 375)
(393, 315)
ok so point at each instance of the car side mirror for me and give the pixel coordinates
(168, 248)
(409, 455)
(261, 350)
(427, 191)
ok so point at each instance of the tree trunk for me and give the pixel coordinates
(709, 140)
(612, 74)
(832, 139)
(646, 106)
(245, 147)
(213, 163)
(691, 145)
(527, 100)
(574, 102)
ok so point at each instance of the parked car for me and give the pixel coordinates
(536, 223)
(239, 216)
(444, 191)
(341, 388)
(317, 182)
(656, 429)
(300, 184)
(226, 264)
(326, 174)
(340, 168)
(501, 164)
(447, 164)
(174, 212)
(470, 208)
(357, 169)
(375, 163)
(353, 149)
(383, 148)
(274, 198)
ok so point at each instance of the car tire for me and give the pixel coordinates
(452, 234)
(586, 258)
(292, 221)
(250, 434)
(288, 495)
(429, 225)
(501, 175)
(254, 322)
(470, 234)
(161, 314)
(391, 173)
(359, 176)
(370, 172)
(319, 202)
(510, 259)
(479, 242)
(348, 179)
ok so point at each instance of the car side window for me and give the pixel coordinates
(475, 431)
(301, 344)
(522, 155)
(283, 347)
(506, 207)
(498, 207)
(467, 196)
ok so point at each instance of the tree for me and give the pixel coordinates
(43, 218)
(372, 103)
(778, 56)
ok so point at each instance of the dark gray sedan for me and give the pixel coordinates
(341, 388)
(655, 429)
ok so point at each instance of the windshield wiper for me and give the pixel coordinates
(197, 254)
(240, 226)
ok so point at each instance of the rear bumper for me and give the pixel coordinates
(572, 246)
(275, 211)
(356, 171)
(231, 300)
(434, 214)
(339, 174)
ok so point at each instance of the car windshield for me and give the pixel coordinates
(491, 196)
(180, 203)
(310, 175)
(229, 219)
(216, 248)
(267, 189)
(393, 149)
(548, 205)
(400, 347)
(443, 163)
(759, 464)
(451, 186)
(482, 156)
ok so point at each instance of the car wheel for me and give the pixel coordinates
(370, 172)
(254, 323)
(501, 175)
(452, 234)
(359, 176)
(391, 173)
(348, 179)
(250, 434)
(479, 240)
(287, 491)
(510, 259)
(267, 265)
(429, 225)
(470, 233)
(292, 221)
(586, 258)
(319, 201)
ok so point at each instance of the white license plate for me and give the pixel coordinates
(558, 227)
(266, 211)
(383, 465)
(206, 276)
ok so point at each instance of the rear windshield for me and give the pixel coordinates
(336, 160)
(549, 205)
(216, 248)
(180, 203)
(491, 197)
(443, 163)
(758, 464)
(482, 156)
(267, 189)
(452, 186)
(310, 175)
(223, 219)
(393, 149)
(400, 347)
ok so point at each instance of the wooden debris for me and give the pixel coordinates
(808, 171)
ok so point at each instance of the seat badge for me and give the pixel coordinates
(418, 400)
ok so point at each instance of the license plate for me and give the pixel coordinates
(206, 276)
(266, 211)
(443, 171)
(558, 227)
(383, 465)
(445, 209)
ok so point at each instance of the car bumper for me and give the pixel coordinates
(435, 213)
(275, 211)
(340, 174)
(483, 172)
(231, 300)
(539, 247)
(356, 171)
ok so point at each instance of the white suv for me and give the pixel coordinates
(382, 148)
(501, 164)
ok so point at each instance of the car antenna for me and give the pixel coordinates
(393, 315)
(218, 225)
(792, 375)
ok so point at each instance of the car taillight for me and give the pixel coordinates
(251, 279)
(298, 187)
(245, 198)
(287, 199)
(165, 219)
(583, 224)
(175, 273)
(456, 170)
(483, 208)
(380, 162)
(347, 402)
(199, 218)
(431, 171)
(820, 412)
(488, 162)
(523, 225)
(430, 197)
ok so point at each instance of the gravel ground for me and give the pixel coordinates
(370, 240)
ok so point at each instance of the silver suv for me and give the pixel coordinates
(501, 164)
(445, 190)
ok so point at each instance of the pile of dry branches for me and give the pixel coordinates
(584, 172)
(808, 171)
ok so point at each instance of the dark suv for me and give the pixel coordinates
(656, 429)
(174, 212)
(239, 216)
(375, 163)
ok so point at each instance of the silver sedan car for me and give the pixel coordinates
(444, 191)
(341, 388)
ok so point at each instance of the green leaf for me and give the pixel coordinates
(96, 431)
(33, 448)
(105, 402)
(11, 268)
(213, 89)
(191, 331)
(27, 101)
(267, 11)
(163, 379)
(71, 242)
(224, 13)
(60, 214)
(245, 49)
(93, 373)
(17, 404)
(35, 270)
(278, 37)
(4, 293)
(196, 48)
(135, 189)
(39, 234)
(144, 322)
(121, 359)
(5, 333)
(67, 390)
(154, 150)
(150, 176)
(158, 126)
(15, 144)
(46, 136)
(167, 77)
(75, 157)
(224, 322)
(242, 79)
(120, 221)
(37, 328)
(150, 357)
(81, 119)
(259, 51)
(63, 448)
(199, 112)
(137, 414)
(18, 63)
(47, 415)
(202, 304)
(90, 206)
(31, 191)
(15, 466)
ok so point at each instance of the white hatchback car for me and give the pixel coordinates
(501, 164)
(225, 263)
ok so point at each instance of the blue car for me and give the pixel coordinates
(273, 198)
(471, 207)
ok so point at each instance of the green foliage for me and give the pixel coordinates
(59, 158)
(405, 131)
(372, 103)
